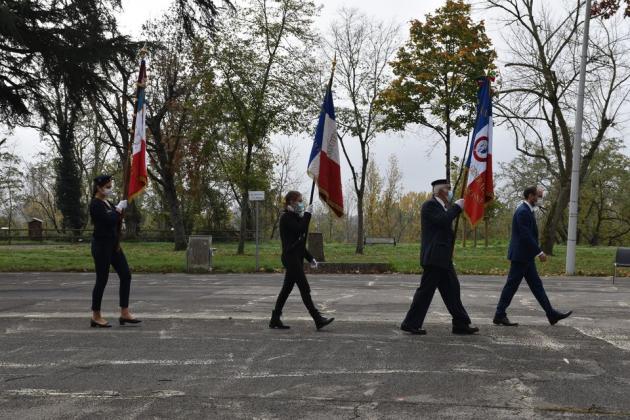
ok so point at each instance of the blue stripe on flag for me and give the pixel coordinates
(327, 109)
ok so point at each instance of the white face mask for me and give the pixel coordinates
(108, 192)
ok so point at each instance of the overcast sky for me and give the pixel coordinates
(419, 161)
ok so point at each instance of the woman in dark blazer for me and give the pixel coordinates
(293, 226)
(106, 251)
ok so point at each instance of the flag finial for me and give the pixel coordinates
(143, 51)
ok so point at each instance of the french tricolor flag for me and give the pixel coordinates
(324, 165)
(138, 171)
(479, 188)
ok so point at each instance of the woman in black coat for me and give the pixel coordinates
(106, 251)
(293, 226)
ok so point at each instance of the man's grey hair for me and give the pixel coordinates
(438, 187)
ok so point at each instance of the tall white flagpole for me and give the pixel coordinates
(577, 151)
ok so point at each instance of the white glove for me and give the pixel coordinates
(460, 203)
(309, 209)
(122, 205)
(314, 264)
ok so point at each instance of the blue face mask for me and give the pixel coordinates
(299, 207)
(450, 196)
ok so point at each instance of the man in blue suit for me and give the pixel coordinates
(522, 253)
(436, 258)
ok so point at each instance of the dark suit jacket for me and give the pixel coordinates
(293, 236)
(524, 241)
(437, 234)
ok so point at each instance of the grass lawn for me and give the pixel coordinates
(160, 257)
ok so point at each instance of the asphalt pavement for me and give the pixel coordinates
(204, 351)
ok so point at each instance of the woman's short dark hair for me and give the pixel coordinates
(291, 197)
(99, 181)
(529, 191)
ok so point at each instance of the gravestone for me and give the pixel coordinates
(316, 245)
(199, 253)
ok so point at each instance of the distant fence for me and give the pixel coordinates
(149, 235)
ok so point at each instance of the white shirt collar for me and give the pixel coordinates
(531, 208)
(440, 201)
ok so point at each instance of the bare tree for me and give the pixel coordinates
(39, 193)
(11, 186)
(285, 177)
(372, 204)
(390, 203)
(364, 47)
(538, 98)
(92, 153)
(169, 114)
(59, 113)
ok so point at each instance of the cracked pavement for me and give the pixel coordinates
(204, 351)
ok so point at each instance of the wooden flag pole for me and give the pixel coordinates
(463, 174)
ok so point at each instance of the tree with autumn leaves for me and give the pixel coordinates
(436, 72)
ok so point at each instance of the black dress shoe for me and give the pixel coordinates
(321, 322)
(277, 324)
(412, 330)
(504, 321)
(95, 324)
(123, 321)
(553, 320)
(275, 321)
(465, 330)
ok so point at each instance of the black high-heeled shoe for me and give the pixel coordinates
(123, 321)
(95, 324)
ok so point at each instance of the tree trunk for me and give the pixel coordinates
(245, 198)
(177, 220)
(485, 221)
(554, 218)
(448, 156)
(274, 226)
(68, 182)
(133, 218)
(242, 237)
(360, 233)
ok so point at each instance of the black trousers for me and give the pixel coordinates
(295, 275)
(518, 270)
(445, 280)
(105, 253)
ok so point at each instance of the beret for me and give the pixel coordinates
(102, 179)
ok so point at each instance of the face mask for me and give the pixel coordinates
(299, 207)
(108, 192)
(450, 196)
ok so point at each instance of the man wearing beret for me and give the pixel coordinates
(436, 258)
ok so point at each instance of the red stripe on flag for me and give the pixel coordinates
(138, 175)
(329, 183)
(479, 193)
